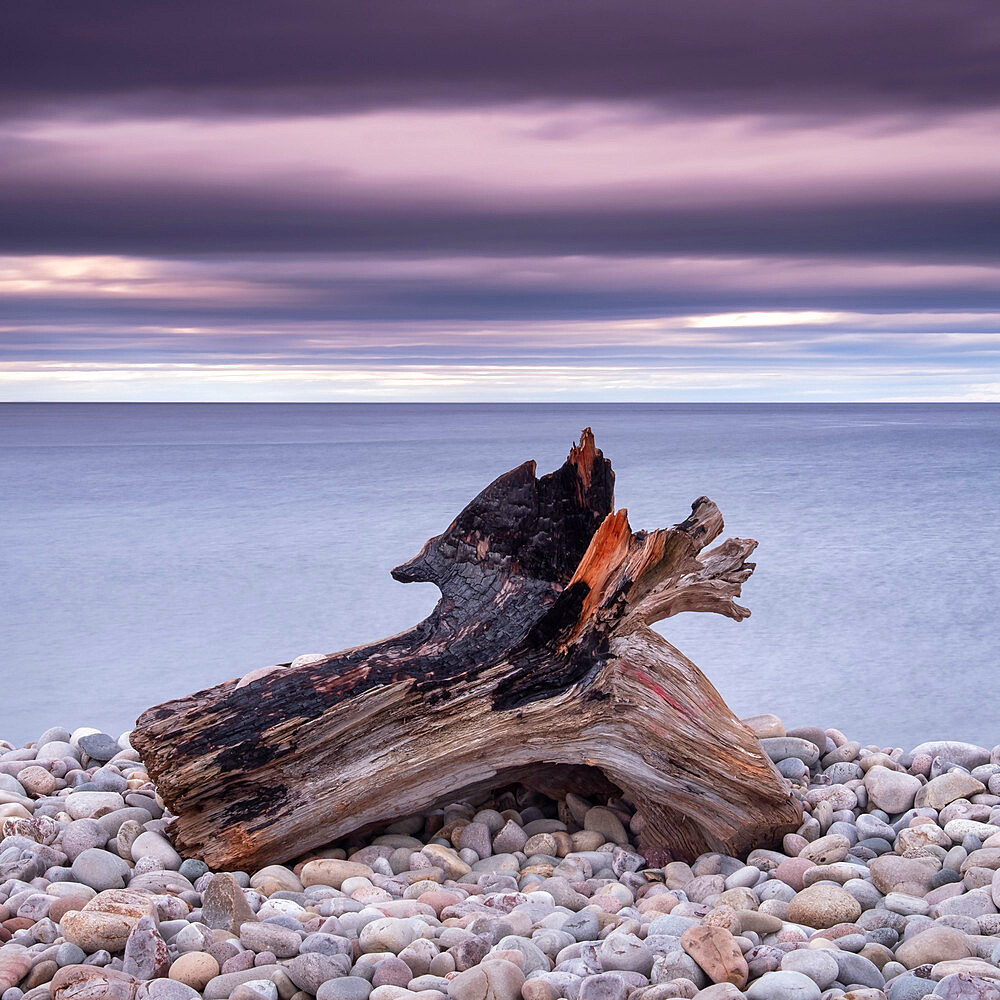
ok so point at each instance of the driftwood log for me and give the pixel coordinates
(538, 665)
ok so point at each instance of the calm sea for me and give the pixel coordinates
(147, 551)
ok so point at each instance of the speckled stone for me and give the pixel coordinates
(146, 955)
(88, 982)
(717, 953)
(936, 944)
(310, 970)
(823, 905)
(224, 906)
(195, 969)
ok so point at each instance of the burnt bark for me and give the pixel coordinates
(537, 665)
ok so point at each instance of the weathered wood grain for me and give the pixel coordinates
(537, 665)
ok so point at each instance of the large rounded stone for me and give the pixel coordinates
(101, 870)
(911, 876)
(891, 791)
(907, 986)
(495, 980)
(945, 788)
(37, 780)
(391, 934)
(717, 991)
(816, 963)
(823, 905)
(332, 872)
(856, 970)
(963, 986)
(100, 746)
(275, 878)
(611, 985)
(87, 982)
(792, 870)
(623, 952)
(146, 955)
(84, 805)
(152, 845)
(477, 837)
(782, 747)
(82, 835)
(936, 944)
(532, 957)
(965, 754)
(105, 922)
(223, 986)
(15, 961)
(282, 942)
(310, 970)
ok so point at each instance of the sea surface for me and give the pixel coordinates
(150, 550)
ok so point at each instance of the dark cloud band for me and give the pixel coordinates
(843, 58)
(944, 225)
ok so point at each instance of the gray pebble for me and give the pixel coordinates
(584, 926)
(783, 986)
(69, 954)
(268, 936)
(609, 986)
(855, 970)
(310, 970)
(100, 747)
(344, 988)
(192, 869)
(101, 870)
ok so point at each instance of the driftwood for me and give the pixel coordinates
(537, 666)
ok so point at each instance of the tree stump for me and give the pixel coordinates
(538, 665)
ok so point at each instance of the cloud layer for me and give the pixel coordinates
(440, 200)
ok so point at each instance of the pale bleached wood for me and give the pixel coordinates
(538, 665)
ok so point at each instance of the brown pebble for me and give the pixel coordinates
(791, 871)
(823, 905)
(40, 974)
(37, 781)
(63, 906)
(718, 954)
(564, 843)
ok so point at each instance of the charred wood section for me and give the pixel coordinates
(538, 660)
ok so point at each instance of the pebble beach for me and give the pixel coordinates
(889, 889)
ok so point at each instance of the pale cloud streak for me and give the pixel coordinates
(527, 155)
(502, 382)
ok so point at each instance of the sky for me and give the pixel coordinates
(509, 200)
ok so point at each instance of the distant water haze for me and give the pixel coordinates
(150, 550)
